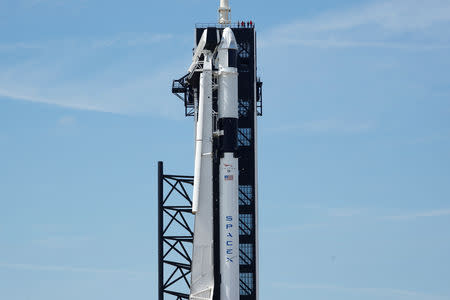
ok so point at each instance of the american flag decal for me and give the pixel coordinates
(228, 177)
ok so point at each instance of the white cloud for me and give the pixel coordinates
(120, 85)
(136, 95)
(69, 101)
(422, 214)
(30, 4)
(128, 39)
(58, 73)
(416, 24)
(17, 46)
(345, 212)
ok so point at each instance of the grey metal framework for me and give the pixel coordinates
(175, 235)
(250, 106)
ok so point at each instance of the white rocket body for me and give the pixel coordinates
(228, 169)
(202, 272)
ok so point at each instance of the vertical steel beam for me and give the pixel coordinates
(161, 229)
(216, 218)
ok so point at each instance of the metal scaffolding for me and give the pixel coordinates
(175, 235)
(175, 214)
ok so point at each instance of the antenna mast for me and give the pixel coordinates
(224, 12)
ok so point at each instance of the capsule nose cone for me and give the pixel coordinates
(228, 39)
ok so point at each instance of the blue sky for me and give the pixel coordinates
(354, 145)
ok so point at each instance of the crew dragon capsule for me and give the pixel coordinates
(216, 59)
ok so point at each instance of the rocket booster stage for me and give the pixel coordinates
(226, 75)
(223, 93)
(216, 173)
(228, 170)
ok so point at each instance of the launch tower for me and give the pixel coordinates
(177, 236)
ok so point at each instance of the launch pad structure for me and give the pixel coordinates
(175, 218)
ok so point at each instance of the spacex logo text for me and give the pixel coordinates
(228, 242)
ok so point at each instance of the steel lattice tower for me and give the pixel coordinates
(174, 274)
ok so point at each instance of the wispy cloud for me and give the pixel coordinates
(421, 214)
(47, 268)
(146, 94)
(74, 74)
(17, 46)
(386, 292)
(345, 212)
(327, 126)
(66, 120)
(30, 4)
(404, 24)
(120, 40)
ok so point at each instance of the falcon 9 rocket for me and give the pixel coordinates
(213, 76)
